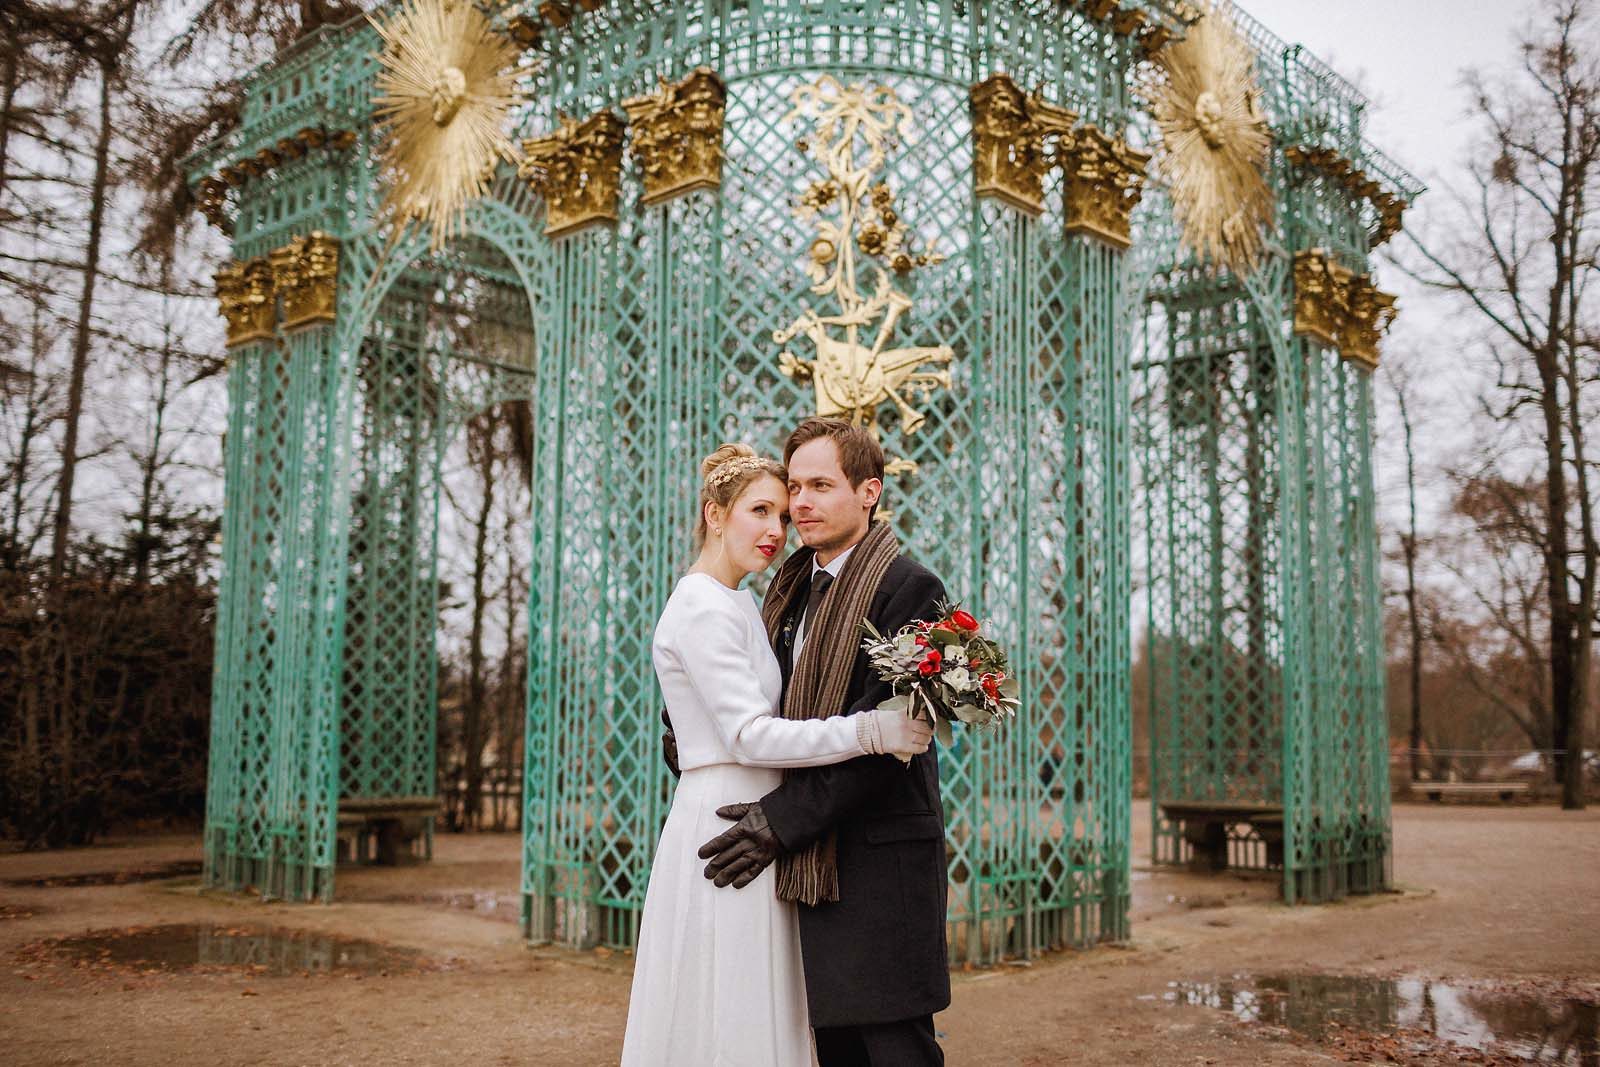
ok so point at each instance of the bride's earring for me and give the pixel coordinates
(722, 546)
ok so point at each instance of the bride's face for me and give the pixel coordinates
(757, 524)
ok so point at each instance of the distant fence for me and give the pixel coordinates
(501, 807)
(1483, 774)
(1535, 767)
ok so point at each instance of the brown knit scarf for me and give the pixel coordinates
(818, 682)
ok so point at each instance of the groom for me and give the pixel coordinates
(859, 845)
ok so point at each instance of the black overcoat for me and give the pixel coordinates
(878, 953)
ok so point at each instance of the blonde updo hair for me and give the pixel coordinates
(724, 476)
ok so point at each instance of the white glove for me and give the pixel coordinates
(891, 731)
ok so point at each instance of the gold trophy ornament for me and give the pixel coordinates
(855, 366)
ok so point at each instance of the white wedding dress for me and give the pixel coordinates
(717, 978)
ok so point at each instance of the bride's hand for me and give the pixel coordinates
(898, 734)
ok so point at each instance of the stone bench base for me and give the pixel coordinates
(378, 830)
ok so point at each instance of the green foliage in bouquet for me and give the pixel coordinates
(945, 669)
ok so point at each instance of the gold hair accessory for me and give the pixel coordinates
(726, 472)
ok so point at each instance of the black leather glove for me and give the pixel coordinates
(744, 850)
(669, 746)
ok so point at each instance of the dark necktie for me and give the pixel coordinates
(820, 582)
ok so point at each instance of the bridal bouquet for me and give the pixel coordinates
(947, 671)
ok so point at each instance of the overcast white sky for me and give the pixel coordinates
(1409, 57)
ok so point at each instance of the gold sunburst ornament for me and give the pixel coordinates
(1214, 141)
(449, 83)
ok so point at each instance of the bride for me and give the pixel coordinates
(717, 979)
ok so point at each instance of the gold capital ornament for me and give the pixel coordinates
(305, 271)
(1011, 151)
(247, 301)
(1339, 308)
(577, 169)
(853, 367)
(677, 135)
(1105, 181)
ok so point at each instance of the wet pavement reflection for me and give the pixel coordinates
(267, 952)
(1536, 1028)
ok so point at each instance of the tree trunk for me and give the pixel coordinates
(510, 706)
(33, 424)
(8, 93)
(1408, 544)
(1573, 779)
(80, 345)
(150, 462)
(1562, 712)
(1416, 647)
(472, 725)
(518, 415)
(1566, 688)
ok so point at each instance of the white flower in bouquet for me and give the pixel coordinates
(944, 670)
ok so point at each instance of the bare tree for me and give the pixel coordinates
(481, 448)
(1524, 261)
(34, 414)
(143, 539)
(249, 27)
(1400, 381)
(107, 43)
(42, 46)
(1499, 654)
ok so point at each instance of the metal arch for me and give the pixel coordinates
(328, 629)
(491, 218)
(1317, 750)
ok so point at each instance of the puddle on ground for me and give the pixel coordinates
(178, 869)
(266, 952)
(1540, 1029)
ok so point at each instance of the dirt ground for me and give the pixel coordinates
(1506, 899)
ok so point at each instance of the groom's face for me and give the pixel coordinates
(828, 512)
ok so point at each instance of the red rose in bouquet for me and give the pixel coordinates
(944, 670)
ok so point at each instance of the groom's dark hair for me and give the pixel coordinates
(860, 455)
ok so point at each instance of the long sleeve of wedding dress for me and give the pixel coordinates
(720, 646)
(717, 979)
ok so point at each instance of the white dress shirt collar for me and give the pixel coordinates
(832, 568)
(836, 566)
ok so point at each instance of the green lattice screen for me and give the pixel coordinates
(327, 657)
(1019, 499)
(1259, 541)
(645, 345)
(1260, 553)
(1215, 564)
